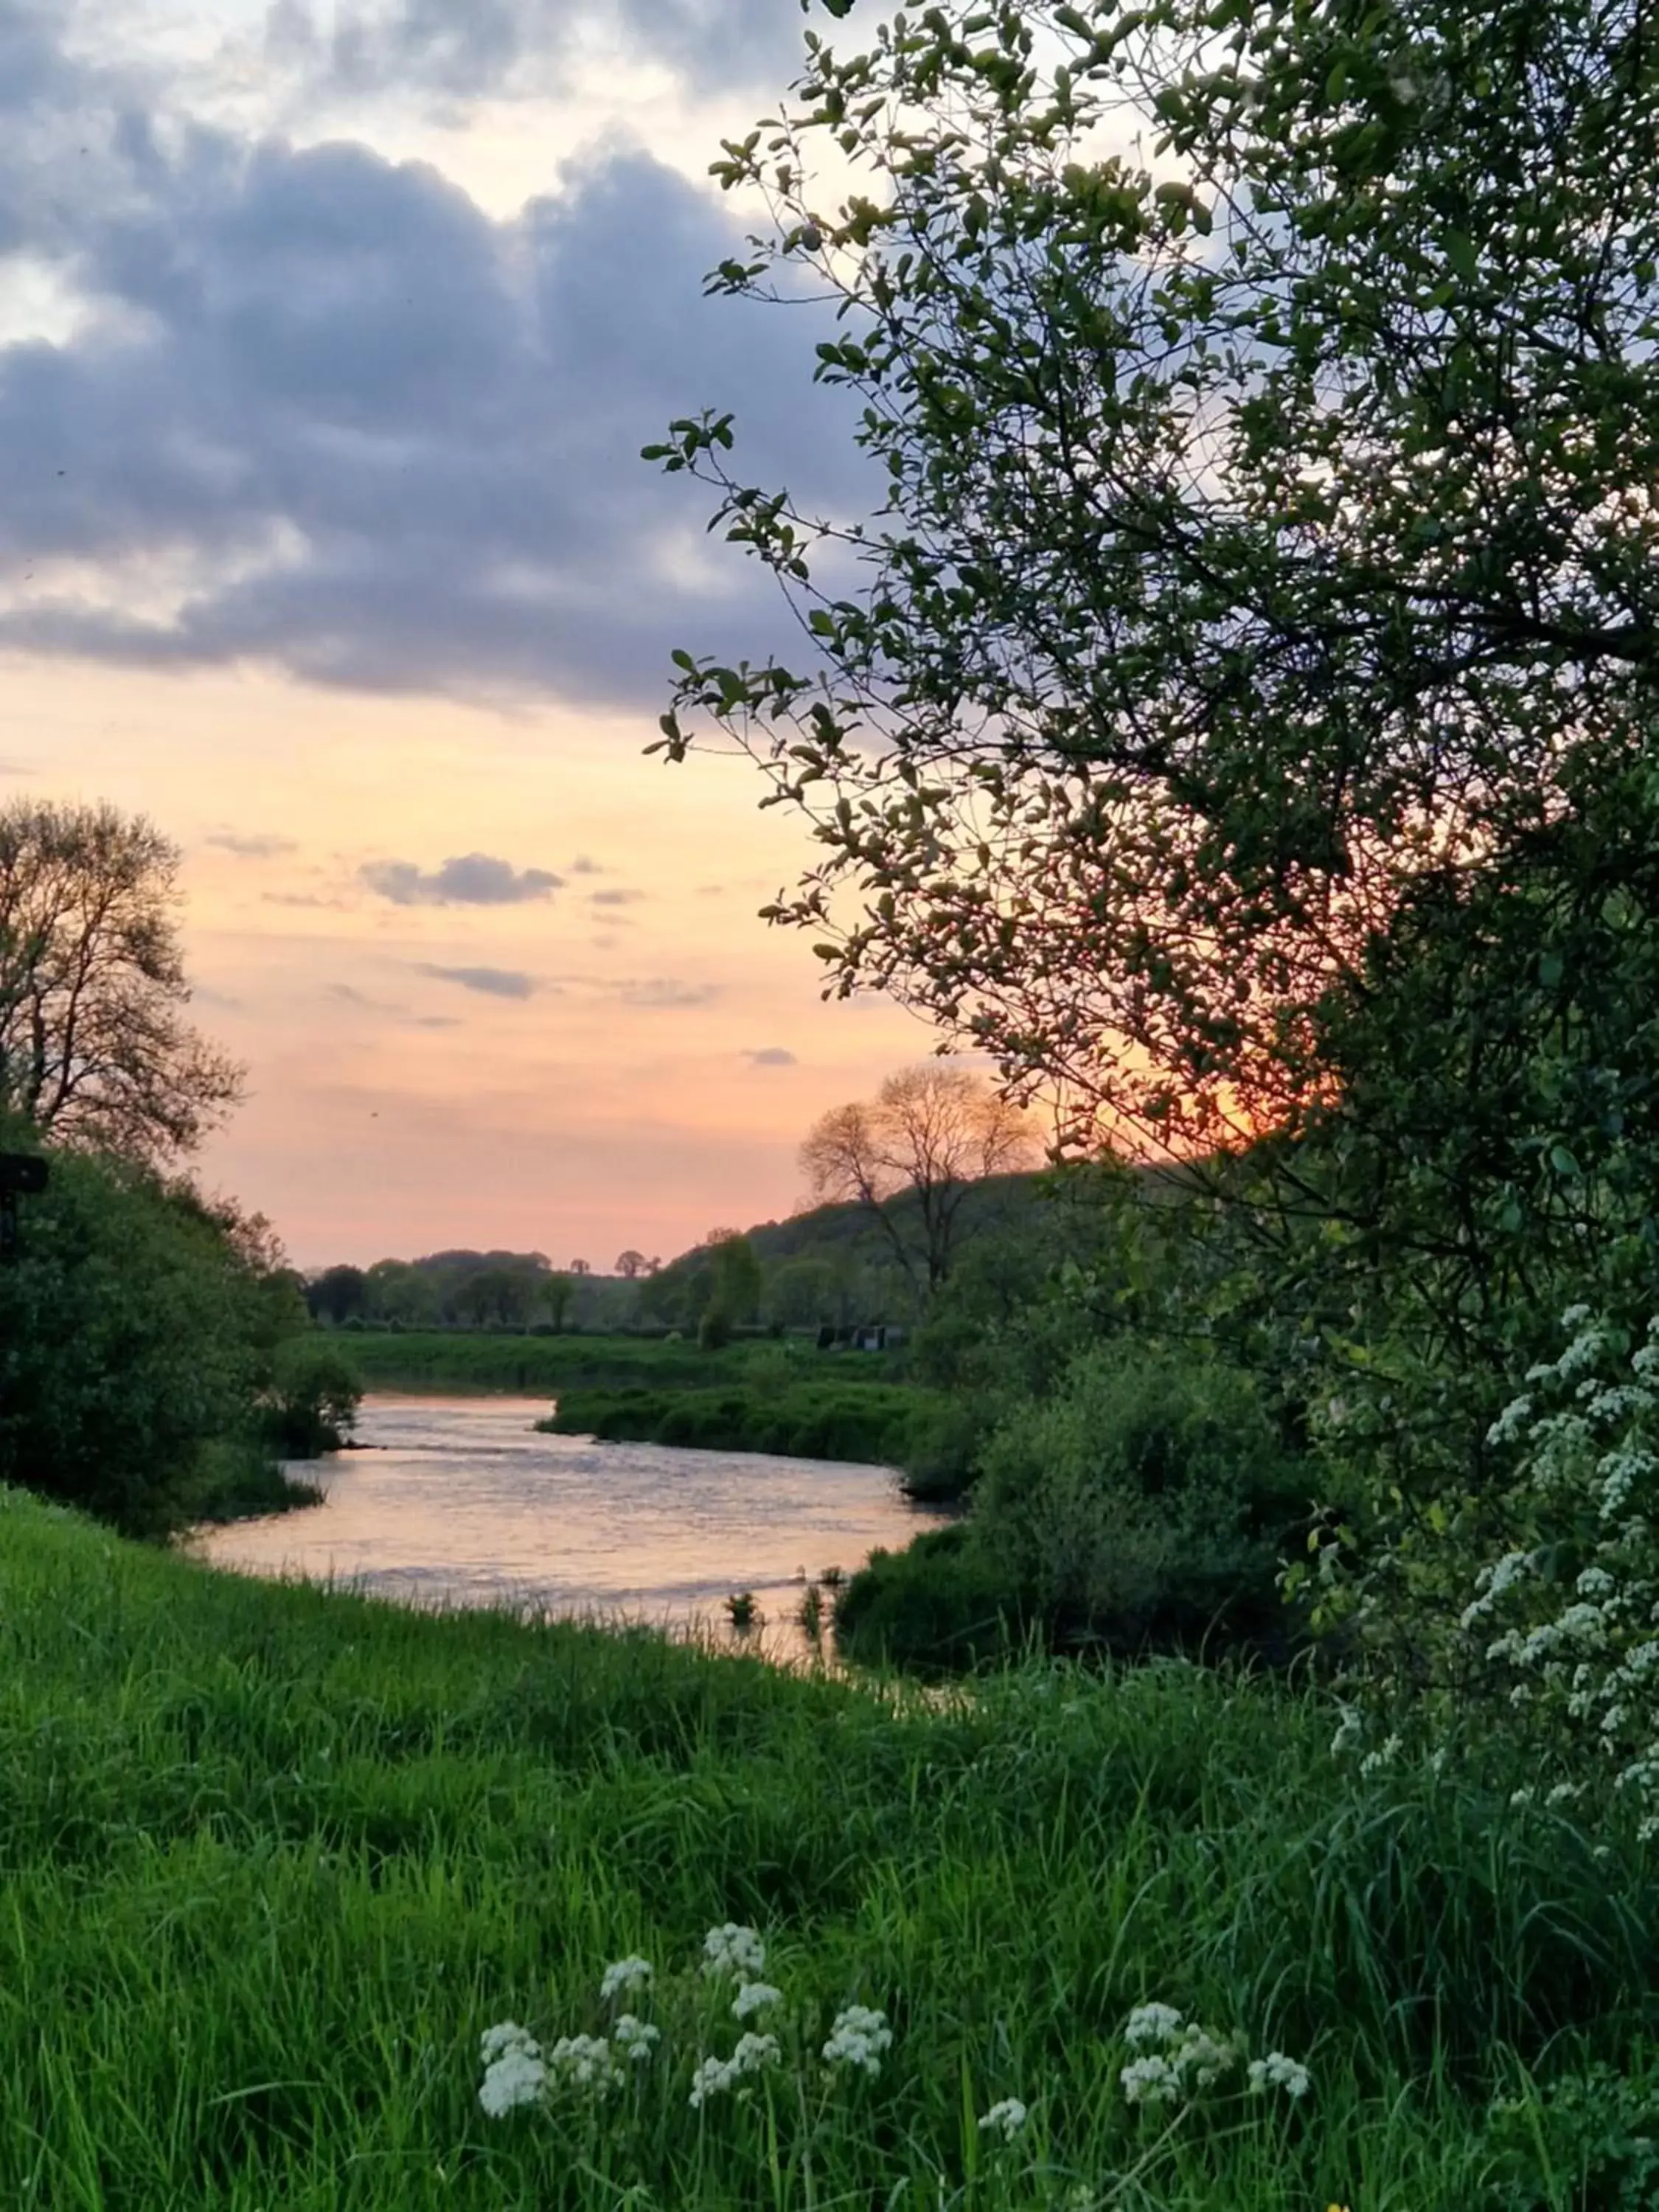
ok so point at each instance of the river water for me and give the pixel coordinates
(463, 1503)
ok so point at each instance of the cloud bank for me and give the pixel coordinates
(469, 879)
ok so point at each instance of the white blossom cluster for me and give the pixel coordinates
(513, 2072)
(734, 1950)
(583, 2065)
(858, 2037)
(1276, 2071)
(715, 2075)
(1582, 1654)
(625, 1978)
(637, 2038)
(1004, 2119)
(1176, 2058)
(753, 1997)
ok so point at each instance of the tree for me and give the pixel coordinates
(737, 1278)
(557, 1292)
(910, 1157)
(631, 1265)
(338, 1294)
(139, 1329)
(94, 1050)
(581, 1267)
(1269, 531)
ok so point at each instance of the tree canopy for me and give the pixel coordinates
(94, 1049)
(1266, 399)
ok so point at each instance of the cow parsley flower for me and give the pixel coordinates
(636, 2037)
(735, 1950)
(583, 2065)
(716, 2074)
(624, 1977)
(858, 2037)
(753, 1997)
(1004, 2119)
(1151, 2023)
(1276, 2071)
(1150, 2081)
(513, 2072)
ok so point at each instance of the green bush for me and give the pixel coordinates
(946, 1602)
(1147, 1502)
(137, 1325)
(313, 1402)
(869, 1422)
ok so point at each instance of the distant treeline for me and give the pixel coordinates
(833, 1267)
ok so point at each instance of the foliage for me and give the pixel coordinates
(311, 1403)
(870, 1424)
(1589, 2139)
(947, 1602)
(136, 1327)
(930, 1133)
(1146, 1501)
(94, 1050)
(1265, 525)
(547, 1365)
(359, 1835)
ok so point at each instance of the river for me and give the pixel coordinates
(461, 1501)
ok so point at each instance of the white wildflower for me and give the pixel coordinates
(582, 2064)
(1151, 2023)
(513, 2072)
(624, 1977)
(715, 2075)
(1150, 2081)
(753, 1997)
(1004, 2119)
(1276, 2071)
(636, 2037)
(734, 1950)
(858, 2037)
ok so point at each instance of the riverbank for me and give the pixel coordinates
(873, 1424)
(275, 1859)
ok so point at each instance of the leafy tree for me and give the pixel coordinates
(1271, 532)
(736, 1278)
(557, 1292)
(631, 1265)
(929, 1135)
(94, 1050)
(313, 1399)
(800, 1293)
(504, 1296)
(338, 1294)
(139, 1328)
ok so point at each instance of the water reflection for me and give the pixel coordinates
(464, 1503)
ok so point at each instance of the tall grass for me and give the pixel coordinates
(273, 1857)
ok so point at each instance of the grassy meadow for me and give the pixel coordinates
(451, 1360)
(275, 1858)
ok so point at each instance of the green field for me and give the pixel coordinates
(274, 1859)
(458, 1360)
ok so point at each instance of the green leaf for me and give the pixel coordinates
(1460, 252)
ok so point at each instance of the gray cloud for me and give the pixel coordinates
(464, 48)
(372, 437)
(348, 994)
(468, 880)
(615, 898)
(666, 991)
(494, 982)
(771, 1055)
(581, 866)
(250, 848)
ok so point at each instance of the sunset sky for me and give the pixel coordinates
(329, 334)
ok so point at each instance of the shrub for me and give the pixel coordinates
(1146, 1502)
(945, 1601)
(136, 1327)
(313, 1402)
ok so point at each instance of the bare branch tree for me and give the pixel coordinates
(94, 1050)
(912, 1154)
